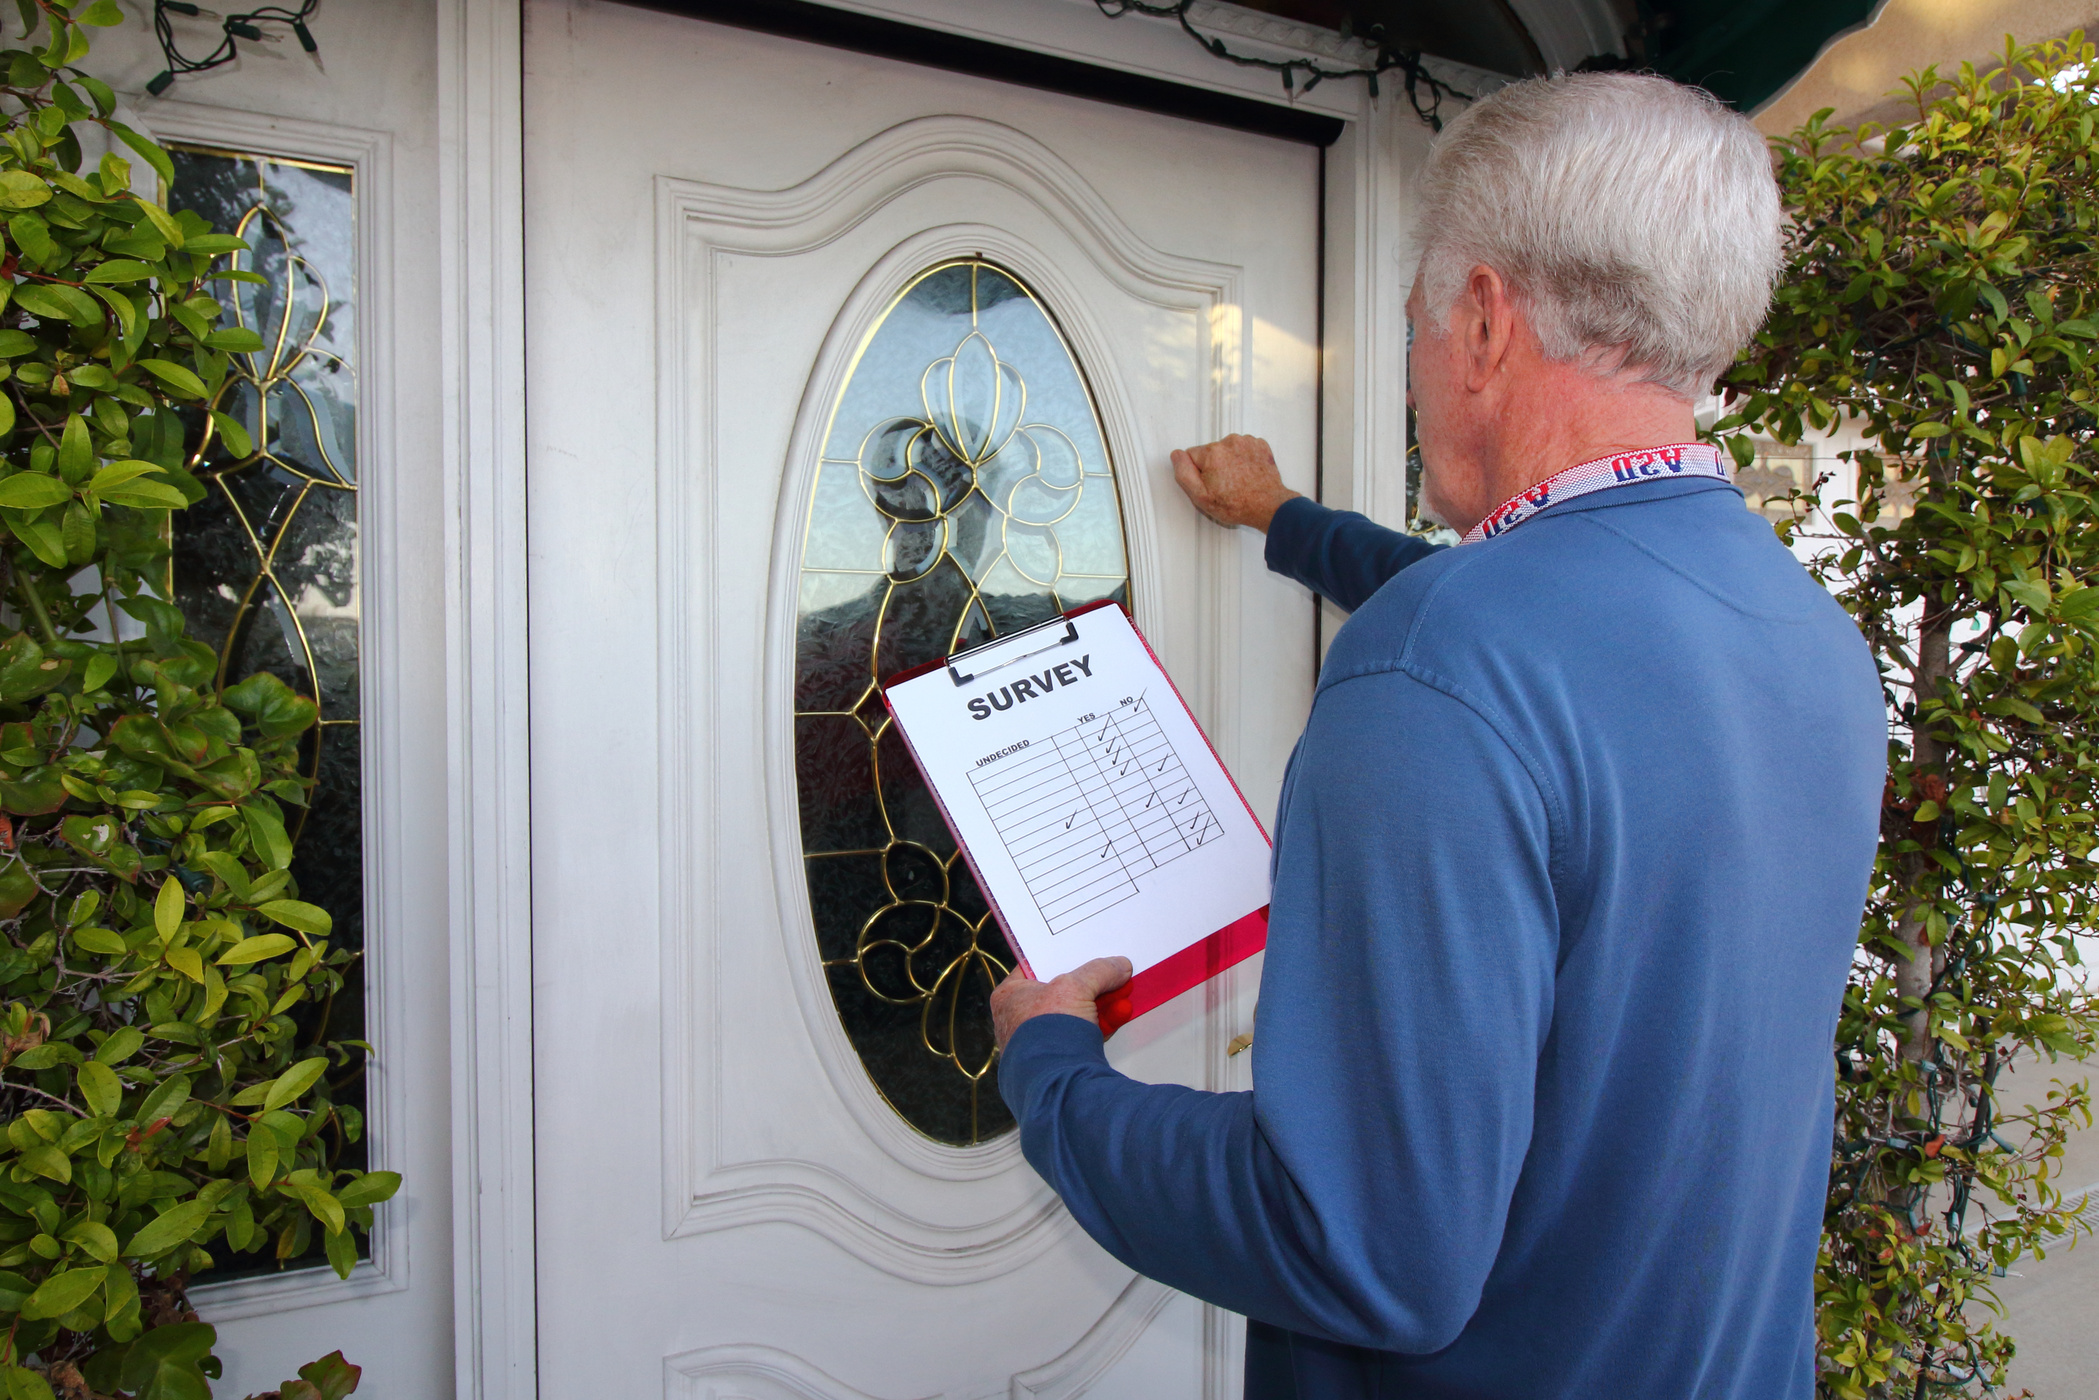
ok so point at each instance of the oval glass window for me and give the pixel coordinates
(965, 492)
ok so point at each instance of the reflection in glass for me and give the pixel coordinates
(965, 492)
(266, 566)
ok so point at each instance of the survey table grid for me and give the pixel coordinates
(1087, 811)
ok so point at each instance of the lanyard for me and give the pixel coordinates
(1648, 464)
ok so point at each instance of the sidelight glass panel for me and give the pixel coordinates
(965, 492)
(266, 566)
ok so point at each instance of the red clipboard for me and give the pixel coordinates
(1182, 971)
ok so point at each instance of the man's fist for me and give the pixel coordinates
(1021, 998)
(1234, 482)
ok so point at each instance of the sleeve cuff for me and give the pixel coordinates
(1297, 524)
(1041, 1047)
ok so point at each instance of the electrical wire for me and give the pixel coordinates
(232, 29)
(1390, 56)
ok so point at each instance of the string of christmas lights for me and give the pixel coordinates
(232, 29)
(1301, 75)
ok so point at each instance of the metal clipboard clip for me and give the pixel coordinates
(985, 664)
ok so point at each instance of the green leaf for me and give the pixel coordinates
(227, 868)
(262, 1156)
(120, 270)
(100, 940)
(187, 961)
(294, 1082)
(21, 1383)
(62, 1293)
(98, 671)
(318, 1200)
(100, 1088)
(152, 154)
(128, 317)
(331, 1377)
(277, 710)
(237, 339)
(180, 382)
(2077, 605)
(33, 236)
(252, 950)
(42, 537)
(76, 531)
(293, 913)
(266, 833)
(104, 99)
(48, 302)
(117, 473)
(21, 190)
(166, 1100)
(18, 889)
(370, 1189)
(190, 319)
(167, 908)
(145, 495)
(177, 1225)
(2032, 593)
(213, 244)
(98, 1240)
(25, 671)
(102, 13)
(163, 224)
(76, 452)
(44, 1159)
(33, 491)
(122, 1044)
(236, 436)
(120, 1288)
(342, 1253)
(166, 1362)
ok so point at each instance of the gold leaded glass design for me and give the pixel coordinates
(266, 566)
(965, 492)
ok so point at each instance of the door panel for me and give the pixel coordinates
(715, 222)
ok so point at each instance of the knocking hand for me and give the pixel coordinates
(1020, 998)
(1234, 482)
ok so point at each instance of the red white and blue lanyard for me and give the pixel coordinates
(1623, 469)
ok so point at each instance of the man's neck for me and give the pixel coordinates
(1567, 416)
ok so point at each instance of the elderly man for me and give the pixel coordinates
(1570, 858)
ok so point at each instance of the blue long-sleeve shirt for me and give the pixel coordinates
(1568, 872)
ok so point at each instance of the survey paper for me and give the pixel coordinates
(1095, 814)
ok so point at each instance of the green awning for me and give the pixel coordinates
(1744, 51)
(1747, 51)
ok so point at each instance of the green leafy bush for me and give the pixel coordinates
(1943, 294)
(160, 1095)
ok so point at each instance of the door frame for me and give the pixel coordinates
(481, 251)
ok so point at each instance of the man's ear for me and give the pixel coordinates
(1487, 318)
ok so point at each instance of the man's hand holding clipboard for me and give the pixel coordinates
(1111, 842)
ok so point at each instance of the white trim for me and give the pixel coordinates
(481, 251)
(1366, 294)
(1076, 29)
(369, 154)
(745, 1372)
(1072, 1374)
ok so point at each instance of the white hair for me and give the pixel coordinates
(1636, 221)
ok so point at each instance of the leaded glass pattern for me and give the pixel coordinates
(965, 492)
(266, 566)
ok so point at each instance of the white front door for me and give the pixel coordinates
(834, 362)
